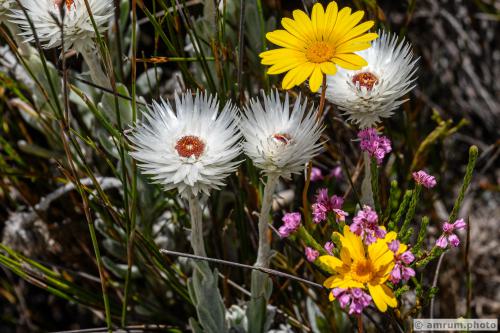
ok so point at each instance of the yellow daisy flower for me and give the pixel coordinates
(314, 46)
(357, 268)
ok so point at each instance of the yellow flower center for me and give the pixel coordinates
(365, 79)
(190, 145)
(362, 270)
(320, 52)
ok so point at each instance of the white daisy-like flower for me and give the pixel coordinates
(376, 90)
(280, 140)
(192, 149)
(79, 32)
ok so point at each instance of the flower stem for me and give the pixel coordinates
(360, 324)
(196, 226)
(263, 253)
(93, 61)
(305, 202)
(366, 186)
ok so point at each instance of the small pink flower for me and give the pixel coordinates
(356, 297)
(291, 222)
(365, 224)
(400, 270)
(423, 178)
(311, 254)
(340, 215)
(336, 173)
(329, 248)
(316, 174)
(325, 204)
(448, 235)
(376, 145)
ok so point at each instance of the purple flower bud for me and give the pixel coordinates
(459, 224)
(329, 248)
(311, 254)
(336, 173)
(394, 245)
(316, 174)
(442, 242)
(407, 257)
(423, 178)
(454, 240)
(448, 227)
(408, 273)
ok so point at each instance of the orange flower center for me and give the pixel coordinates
(69, 3)
(365, 79)
(320, 52)
(362, 270)
(190, 145)
(282, 138)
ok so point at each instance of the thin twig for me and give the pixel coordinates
(434, 283)
(235, 264)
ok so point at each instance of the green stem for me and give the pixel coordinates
(366, 185)
(196, 226)
(263, 252)
(473, 152)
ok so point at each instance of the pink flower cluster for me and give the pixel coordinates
(311, 254)
(356, 297)
(400, 270)
(449, 236)
(365, 224)
(325, 204)
(291, 222)
(423, 178)
(376, 145)
(329, 248)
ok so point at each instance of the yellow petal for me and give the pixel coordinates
(295, 29)
(274, 56)
(328, 68)
(349, 61)
(304, 71)
(331, 14)
(350, 48)
(285, 39)
(282, 67)
(330, 261)
(402, 248)
(318, 19)
(356, 31)
(304, 23)
(382, 296)
(390, 236)
(316, 79)
(362, 39)
(331, 298)
(337, 281)
(354, 244)
(331, 33)
(347, 23)
(345, 256)
(297, 75)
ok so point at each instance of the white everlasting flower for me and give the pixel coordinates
(375, 91)
(279, 139)
(192, 149)
(79, 32)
